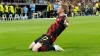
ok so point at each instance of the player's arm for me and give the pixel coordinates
(66, 22)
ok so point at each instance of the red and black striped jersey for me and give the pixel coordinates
(57, 27)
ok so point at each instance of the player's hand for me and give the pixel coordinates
(66, 23)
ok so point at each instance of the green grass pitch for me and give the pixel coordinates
(81, 38)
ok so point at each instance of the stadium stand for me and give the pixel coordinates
(22, 9)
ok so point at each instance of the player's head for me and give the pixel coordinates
(62, 8)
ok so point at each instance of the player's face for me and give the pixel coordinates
(59, 10)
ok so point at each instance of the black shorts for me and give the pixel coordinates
(44, 39)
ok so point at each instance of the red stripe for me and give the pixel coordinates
(52, 28)
(43, 48)
(49, 31)
(54, 38)
(60, 19)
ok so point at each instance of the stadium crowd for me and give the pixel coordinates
(9, 11)
(75, 8)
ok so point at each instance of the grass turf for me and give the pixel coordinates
(81, 38)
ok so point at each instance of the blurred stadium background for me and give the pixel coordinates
(29, 9)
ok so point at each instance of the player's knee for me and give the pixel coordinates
(32, 45)
(36, 47)
(35, 50)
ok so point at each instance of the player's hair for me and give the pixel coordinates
(64, 7)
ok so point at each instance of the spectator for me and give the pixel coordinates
(94, 10)
(86, 9)
(70, 10)
(25, 10)
(1, 11)
(56, 5)
(97, 7)
(90, 9)
(32, 7)
(50, 10)
(11, 10)
(6, 10)
(82, 9)
(18, 10)
(77, 10)
(21, 10)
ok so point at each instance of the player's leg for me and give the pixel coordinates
(39, 47)
(36, 47)
(32, 45)
(44, 48)
(43, 44)
(35, 42)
